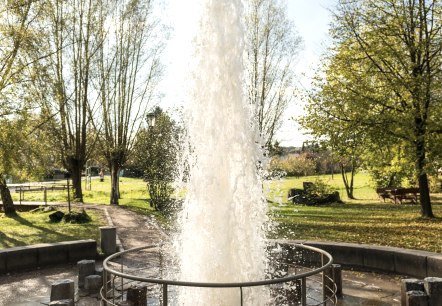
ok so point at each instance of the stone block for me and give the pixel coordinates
(62, 303)
(410, 284)
(21, 258)
(416, 298)
(434, 265)
(108, 239)
(85, 268)
(3, 261)
(433, 288)
(346, 254)
(137, 295)
(63, 290)
(410, 262)
(379, 258)
(51, 254)
(337, 278)
(82, 249)
(93, 283)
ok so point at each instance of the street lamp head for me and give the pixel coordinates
(150, 119)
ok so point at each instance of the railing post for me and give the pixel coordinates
(240, 290)
(45, 196)
(304, 291)
(164, 294)
(324, 278)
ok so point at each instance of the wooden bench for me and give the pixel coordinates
(399, 194)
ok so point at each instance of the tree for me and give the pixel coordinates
(156, 151)
(16, 38)
(65, 80)
(383, 74)
(272, 45)
(129, 72)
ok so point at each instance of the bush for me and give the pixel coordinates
(77, 217)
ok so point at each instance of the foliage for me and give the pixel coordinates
(380, 81)
(156, 152)
(293, 165)
(321, 188)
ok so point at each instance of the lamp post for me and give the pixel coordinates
(150, 120)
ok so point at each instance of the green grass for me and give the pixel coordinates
(35, 227)
(363, 188)
(133, 192)
(364, 220)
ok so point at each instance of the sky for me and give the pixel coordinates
(311, 18)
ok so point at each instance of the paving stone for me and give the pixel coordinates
(85, 268)
(93, 283)
(62, 290)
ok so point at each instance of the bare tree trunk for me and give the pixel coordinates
(8, 204)
(115, 186)
(75, 168)
(348, 186)
(424, 190)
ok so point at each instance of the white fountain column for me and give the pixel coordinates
(222, 236)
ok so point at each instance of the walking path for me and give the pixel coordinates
(33, 288)
(134, 230)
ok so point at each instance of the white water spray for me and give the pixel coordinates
(222, 236)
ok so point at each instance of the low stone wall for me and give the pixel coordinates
(39, 255)
(414, 263)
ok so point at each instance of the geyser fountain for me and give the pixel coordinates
(222, 237)
(221, 247)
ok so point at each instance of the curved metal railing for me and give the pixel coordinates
(322, 289)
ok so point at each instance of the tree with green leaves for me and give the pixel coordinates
(382, 76)
(156, 153)
(17, 39)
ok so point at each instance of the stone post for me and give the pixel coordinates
(137, 295)
(85, 268)
(410, 284)
(93, 283)
(433, 288)
(416, 298)
(63, 290)
(337, 278)
(108, 239)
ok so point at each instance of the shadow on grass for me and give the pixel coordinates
(25, 222)
(8, 242)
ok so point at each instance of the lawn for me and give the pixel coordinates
(34, 227)
(132, 191)
(364, 220)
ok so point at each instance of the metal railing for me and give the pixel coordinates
(314, 285)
